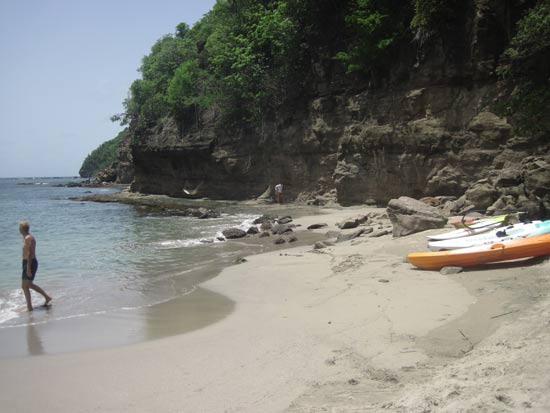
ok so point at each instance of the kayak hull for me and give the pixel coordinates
(467, 257)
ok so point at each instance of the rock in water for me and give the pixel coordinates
(253, 230)
(233, 233)
(409, 215)
(281, 229)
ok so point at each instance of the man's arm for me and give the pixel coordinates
(29, 248)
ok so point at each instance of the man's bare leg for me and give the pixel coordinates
(26, 290)
(41, 291)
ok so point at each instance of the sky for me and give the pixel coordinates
(65, 69)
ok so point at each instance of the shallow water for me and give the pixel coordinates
(98, 258)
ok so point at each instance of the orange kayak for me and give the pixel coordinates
(466, 257)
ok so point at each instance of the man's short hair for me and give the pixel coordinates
(25, 226)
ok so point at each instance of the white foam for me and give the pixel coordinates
(10, 305)
(185, 243)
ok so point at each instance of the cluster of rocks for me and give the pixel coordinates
(372, 225)
(266, 226)
(521, 186)
(491, 196)
(200, 213)
(282, 229)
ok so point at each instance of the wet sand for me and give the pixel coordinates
(349, 328)
(46, 333)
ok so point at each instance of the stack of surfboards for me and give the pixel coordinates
(510, 232)
(465, 222)
(478, 227)
(511, 242)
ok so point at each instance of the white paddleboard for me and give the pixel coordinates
(507, 233)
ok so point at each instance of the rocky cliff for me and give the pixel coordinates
(427, 127)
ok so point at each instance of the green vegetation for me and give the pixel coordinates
(246, 58)
(101, 157)
(233, 60)
(527, 66)
(433, 14)
(374, 27)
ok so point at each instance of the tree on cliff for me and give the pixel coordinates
(526, 65)
(101, 157)
(246, 58)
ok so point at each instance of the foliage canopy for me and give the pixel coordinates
(247, 57)
(102, 157)
(527, 66)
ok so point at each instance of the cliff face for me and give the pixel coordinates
(426, 128)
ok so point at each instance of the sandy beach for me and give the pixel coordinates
(349, 328)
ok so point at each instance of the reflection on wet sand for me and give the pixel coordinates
(34, 342)
(196, 310)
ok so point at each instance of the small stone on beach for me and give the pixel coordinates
(450, 270)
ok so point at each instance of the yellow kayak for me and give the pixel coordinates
(466, 257)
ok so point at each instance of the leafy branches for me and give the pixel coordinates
(101, 157)
(375, 26)
(526, 64)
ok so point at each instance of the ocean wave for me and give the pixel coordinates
(185, 243)
(9, 306)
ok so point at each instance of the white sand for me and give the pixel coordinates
(350, 328)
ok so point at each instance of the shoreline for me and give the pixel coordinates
(350, 328)
(45, 334)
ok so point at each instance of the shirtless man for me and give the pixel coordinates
(30, 265)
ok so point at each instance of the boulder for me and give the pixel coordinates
(263, 219)
(409, 216)
(253, 231)
(317, 226)
(380, 233)
(284, 220)
(279, 240)
(233, 233)
(278, 229)
(264, 235)
(348, 224)
(536, 174)
(481, 195)
(204, 213)
(266, 226)
(353, 222)
(293, 238)
(353, 235)
(322, 244)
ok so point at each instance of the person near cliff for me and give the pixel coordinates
(30, 266)
(279, 193)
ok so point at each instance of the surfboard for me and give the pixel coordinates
(483, 225)
(507, 233)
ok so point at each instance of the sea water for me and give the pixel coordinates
(96, 258)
